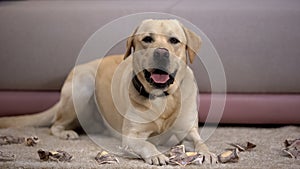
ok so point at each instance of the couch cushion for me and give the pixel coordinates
(256, 40)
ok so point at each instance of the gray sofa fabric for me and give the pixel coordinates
(258, 40)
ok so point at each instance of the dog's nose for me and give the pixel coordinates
(160, 53)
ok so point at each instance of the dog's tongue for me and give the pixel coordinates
(160, 78)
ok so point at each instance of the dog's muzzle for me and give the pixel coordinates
(159, 76)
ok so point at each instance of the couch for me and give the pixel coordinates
(257, 41)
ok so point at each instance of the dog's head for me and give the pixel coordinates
(160, 50)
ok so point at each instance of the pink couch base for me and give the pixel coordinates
(26, 102)
(239, 108)
(255, 108)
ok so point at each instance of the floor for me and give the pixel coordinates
(267, 154)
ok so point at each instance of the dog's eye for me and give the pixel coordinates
(148, 39)
(174, 40)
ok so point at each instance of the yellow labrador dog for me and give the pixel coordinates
(146, 95)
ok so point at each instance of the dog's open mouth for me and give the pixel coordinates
(158, 78)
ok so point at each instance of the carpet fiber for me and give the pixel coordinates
(267, 154)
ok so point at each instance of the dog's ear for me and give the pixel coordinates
(129, 44)
(193, 43)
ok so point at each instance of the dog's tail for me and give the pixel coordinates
(44, 118)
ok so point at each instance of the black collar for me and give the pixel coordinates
(141, 89)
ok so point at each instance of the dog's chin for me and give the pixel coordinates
(159, 79)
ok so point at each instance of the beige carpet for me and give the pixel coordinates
(267, 154)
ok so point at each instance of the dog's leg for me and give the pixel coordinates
(200, 146)
(65, 121)
(76, 95)
(65, 118)
(136, 139)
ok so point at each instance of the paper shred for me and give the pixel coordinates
(104, 157)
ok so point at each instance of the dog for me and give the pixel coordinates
(145, 95)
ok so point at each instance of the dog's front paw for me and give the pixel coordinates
(207, 155)
(68, 135)
(157, 160)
